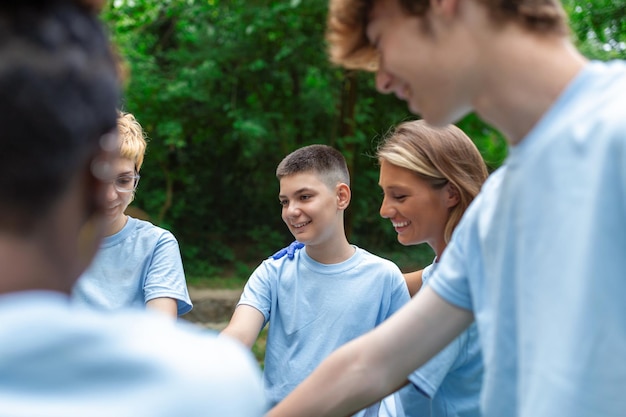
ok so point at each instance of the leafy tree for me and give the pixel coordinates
(226, 88)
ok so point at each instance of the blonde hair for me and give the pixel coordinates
(132, 139)
(347, 20)
(438, 156)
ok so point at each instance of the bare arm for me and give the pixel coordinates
(375, 364)
(245, 325)
(413, 281)
(164, 305)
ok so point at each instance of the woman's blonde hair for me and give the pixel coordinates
(439, 156)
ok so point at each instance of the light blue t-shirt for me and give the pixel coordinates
(314, 308)
(62, 360)
(540, 257)
(449, 384)
(139, 263)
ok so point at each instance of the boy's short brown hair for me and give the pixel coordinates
(325, 161)
(347, 21)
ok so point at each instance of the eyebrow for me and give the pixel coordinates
(395, 187)
(297, 192)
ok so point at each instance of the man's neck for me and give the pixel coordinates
(525, 75)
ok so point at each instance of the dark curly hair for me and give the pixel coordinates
(59, 90)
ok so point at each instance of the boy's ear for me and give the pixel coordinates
(343, 196)
(452, 194)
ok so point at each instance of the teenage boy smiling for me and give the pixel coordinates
(330, 293)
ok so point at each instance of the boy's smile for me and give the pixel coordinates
(118, 201)
(309, 207)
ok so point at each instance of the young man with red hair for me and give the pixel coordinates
(538, 259)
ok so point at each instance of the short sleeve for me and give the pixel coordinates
(165, 276)
(400, 294)
(257, 292)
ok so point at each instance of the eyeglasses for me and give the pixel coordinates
(126, 183)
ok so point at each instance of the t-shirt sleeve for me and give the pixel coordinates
(400, 293)
(165, 276)
(257, 292)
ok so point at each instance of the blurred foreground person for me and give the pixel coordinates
(58, 97)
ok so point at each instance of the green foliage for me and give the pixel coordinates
(599, 27)
(226, 88)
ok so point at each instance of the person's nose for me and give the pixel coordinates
(386, 210)
(384, 81)
(291, 210)
(111, 193)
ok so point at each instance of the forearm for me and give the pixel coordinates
(245, 325)
(243, 337)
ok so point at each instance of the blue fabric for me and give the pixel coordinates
(139, 263)
(62, 360)
(314, 308)
(540, 257)
(449, 384)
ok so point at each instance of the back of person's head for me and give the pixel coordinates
(347, 22)
(58, 95)
(438, 156)
(323, 160)
(132, 139)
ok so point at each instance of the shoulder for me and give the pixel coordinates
(142, 352)
(366, 256)
(377, 263)
(272, 268)
(145, 230)
(598, 100)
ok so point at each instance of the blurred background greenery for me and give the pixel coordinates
(226, 88)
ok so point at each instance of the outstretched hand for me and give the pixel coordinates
(290, 250)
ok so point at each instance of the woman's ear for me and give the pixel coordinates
(452, 195)
(343, 196)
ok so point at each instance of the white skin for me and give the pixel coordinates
(464, 63)
(313, 212)
(116, 204)
(417, 211)
(510, 77)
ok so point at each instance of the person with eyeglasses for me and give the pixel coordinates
(138, 264)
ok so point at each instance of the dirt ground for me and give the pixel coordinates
(212, 307)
